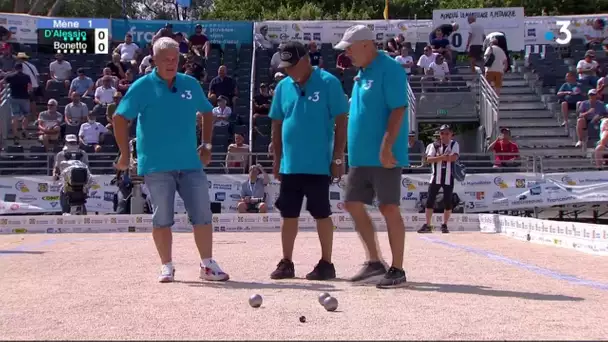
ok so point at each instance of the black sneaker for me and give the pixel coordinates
(393, 278)
(322, 271)
(370, 269)
(425, 229)
(285, 270)
(444, 228)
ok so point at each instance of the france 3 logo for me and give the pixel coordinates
(564, 37)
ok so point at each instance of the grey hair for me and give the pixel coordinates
(52, 102)
(164, 43)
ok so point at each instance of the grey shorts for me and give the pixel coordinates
(363, 184)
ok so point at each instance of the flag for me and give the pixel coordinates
(385, 9)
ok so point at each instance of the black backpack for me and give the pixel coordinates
(69, 155)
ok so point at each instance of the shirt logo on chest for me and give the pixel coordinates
(368, 84)
(314, 97)
(187, 94)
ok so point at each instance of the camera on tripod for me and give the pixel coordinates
(75, 187)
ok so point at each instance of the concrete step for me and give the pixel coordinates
(542, 143)
(516, 90)
(521, 106)
(525, 122)
(569, 151)
(525, 114)
(520, 98)
(515, 83)
(539, 132)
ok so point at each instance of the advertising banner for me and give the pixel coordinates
(220, 32)
(580, 25)
(22, 27)
(323, 31)
(509, 20)
(478, 193)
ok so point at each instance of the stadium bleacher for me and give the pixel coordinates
(527, 106)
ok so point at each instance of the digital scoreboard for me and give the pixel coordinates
(74, 36)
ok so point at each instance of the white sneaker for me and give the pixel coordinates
(213, 272)
(578, 144)
(167, 273)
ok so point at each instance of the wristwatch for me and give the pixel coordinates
(207, 146)
(338, 161)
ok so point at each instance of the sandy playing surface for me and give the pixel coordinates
(461, 286)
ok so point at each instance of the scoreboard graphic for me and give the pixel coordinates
(74, 36)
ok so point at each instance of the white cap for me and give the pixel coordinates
(71, 138)
(354, 34)
(279, 74)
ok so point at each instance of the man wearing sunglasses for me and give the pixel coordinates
(308, 115)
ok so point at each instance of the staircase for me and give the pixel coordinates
(534, 124)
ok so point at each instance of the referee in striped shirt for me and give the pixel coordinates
(441, 155)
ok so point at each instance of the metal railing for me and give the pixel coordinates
(102, 163)
(488, 107)
(411, 110)
(5, 113)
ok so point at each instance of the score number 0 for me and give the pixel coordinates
(102, 41)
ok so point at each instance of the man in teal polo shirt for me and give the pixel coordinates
(165, 104)
(308, 138)
(377, 150)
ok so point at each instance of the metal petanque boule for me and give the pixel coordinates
(255, 301)
(330, 304)
(322, 297)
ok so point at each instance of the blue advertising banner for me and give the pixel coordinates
(219, 32)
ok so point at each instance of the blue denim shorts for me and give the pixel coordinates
(20, 107)
(192, 187)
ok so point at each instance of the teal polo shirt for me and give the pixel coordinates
(166, 122)
(378, 89)
(308, 114)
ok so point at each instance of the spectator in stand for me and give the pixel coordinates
(21, 87)
(591, 111)
(145, 63)
(261, 102)
(406, 61)
(60, 72)
(496, 63)
(49, 125)
(91, 133)
(125, 83)
(112, 109)
(104, 94)
(441, 45)
(275, 60)
(76, 111)
(277, 78)
(7, 61)
(253, 191)
(237, 153)
(166, 31)
(569, 95)
(128, 51)
(343, 62)
(150, 67)
(221, 113)
(4, 34)
(425, 60)
(506, 151)
(117, 67)
(184, 46)
(223, 84)
(107, 72)
(315, 55)
(602, 88)
(596, 34)
(588, 69)
(261, 39)
(194, 68)
(602, 143)
(438, 72)
(199, 43)
(415, 147)
(475, 42)
(31, 70)
(392, 47)
(445, 29)
(82, 85)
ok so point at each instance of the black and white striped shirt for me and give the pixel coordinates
(441, 172)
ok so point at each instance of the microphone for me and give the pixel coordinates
(174, 89)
